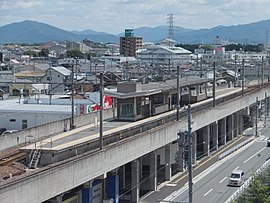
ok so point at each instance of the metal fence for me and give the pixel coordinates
(233, 149)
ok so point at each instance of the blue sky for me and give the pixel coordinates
(113, 16)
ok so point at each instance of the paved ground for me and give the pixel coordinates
(178, 182)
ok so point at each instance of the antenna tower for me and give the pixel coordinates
(171, 27)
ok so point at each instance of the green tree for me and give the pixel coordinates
(74, 53)
(258, 191)
(44, 53)
(231, 47)
(253, 48)
(206, 47)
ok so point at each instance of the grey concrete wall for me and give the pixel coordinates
(51, 182)
(38, 132)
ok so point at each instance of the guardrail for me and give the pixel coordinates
(247, 183)
(233, 149)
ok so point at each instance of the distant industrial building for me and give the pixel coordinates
(164, 55)
(130, 44)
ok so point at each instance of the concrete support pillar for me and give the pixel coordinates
(150, 107)
(135, 108)
(181, 157)
(252, 111)
(229, 127)
(215, 136)
(57, 199)
(123, 180)
(240, 123)
(205, 89)
(236, 124)
(170, 102)
(194, 148)
(153, 171)
(168, 166)
(197, 90)
(135, 181)
(222, 131)
(113, 186)
(87, 192)
(206, 141)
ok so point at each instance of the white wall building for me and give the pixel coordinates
(15, 116)
(57, 76)
(164, 55)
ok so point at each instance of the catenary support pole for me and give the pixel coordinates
(214, 85)
(243, 77)
(101, 113)
(178, 94)
(190, 192)
(256, 118)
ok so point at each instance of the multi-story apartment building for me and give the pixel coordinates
(130, 44)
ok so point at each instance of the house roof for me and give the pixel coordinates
(154, 48)
(60, 69)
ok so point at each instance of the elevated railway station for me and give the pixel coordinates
(138, 154)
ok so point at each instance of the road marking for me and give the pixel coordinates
(208, 192)
(183, 189)
(170, 184)
(212, 157)
(222, 180)
(253, 155)
(236, 168)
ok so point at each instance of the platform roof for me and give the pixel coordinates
(158, 87)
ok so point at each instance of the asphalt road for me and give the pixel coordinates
(211, 185)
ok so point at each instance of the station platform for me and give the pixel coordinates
(90, 132)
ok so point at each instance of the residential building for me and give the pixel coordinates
(57, 77)
(129, 44)
(164, 55)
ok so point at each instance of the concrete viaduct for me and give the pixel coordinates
(128, 161)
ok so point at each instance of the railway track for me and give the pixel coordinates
(6, 160)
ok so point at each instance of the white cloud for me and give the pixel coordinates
(115, 15)
(13, 4)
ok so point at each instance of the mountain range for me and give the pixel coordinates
(36, 32)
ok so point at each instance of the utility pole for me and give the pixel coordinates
(76, 59)
(72, 98)
(243, 78)
(214, 85)
(256, 118)
(178, 95)
(265, 109)
(189, 155)
(50, 94)
(201, 73)
(197, 62)
(267, 105)
(235, 72)
(262, 71)
(101, 113)
(268, 65)
(258, 72)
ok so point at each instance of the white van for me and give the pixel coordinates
(236, 178)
